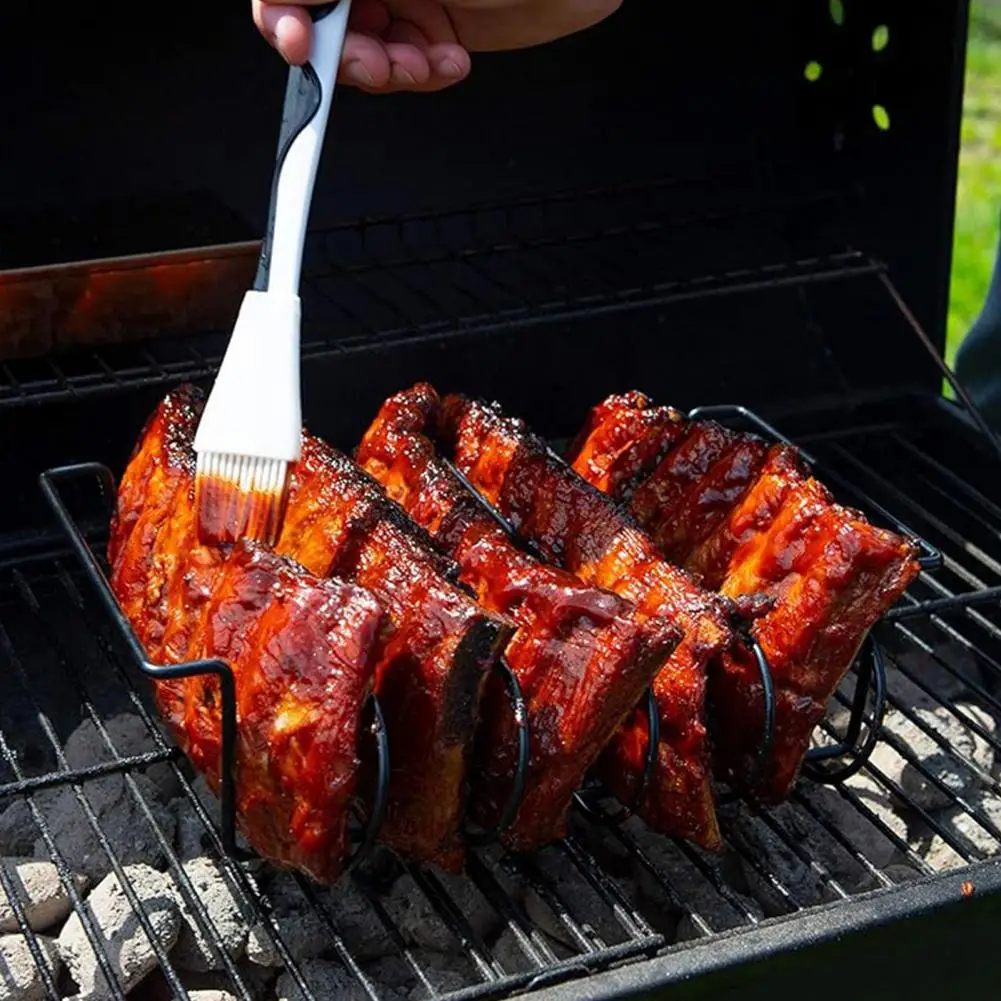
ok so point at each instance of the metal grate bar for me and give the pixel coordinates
(954, 710)
(65, 876)
(13, 898)
(671, 892)
(531, 874)
(123, 764)
(797, 849)
(893, 741)
(838, 835)
(528, 262)
(895, 790)
(454, 919)
(96, 942)
(953, 479)
(631, 920)
(234, 874)
(338, 944)
(685, 878)
(533, 945)
(941, 526)
(191, 895)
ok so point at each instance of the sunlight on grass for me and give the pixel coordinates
(978, 198)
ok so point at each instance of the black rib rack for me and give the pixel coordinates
(610, 893)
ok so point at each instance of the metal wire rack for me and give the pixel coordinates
(871, 673)
(495, 267)
(55, 637)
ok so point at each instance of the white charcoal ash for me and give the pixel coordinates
(300, 925)
(666, 865)
(419, 921)
(947, 672)
(193, 837)
(965, 837)
(20, 977)
(125, 942)
(129, 736)
(120, 818)
(227, 915)
(963, 765)
(440, 973)
(326, 979)
(42, 895)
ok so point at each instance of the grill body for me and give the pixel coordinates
(665, 203)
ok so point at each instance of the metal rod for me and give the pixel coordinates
(931, 558)
(872, 667)
(926, 342)
(767, 740)
(519, 711)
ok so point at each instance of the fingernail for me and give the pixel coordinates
(404, 76)
(448, 67)
(356, 72)
(284, 27)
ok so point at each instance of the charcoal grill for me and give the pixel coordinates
(706, 218)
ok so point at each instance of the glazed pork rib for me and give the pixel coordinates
(302, 650)
(434, 662)
(582, 655)
(748, 518)
(582, 530)
(432, 655)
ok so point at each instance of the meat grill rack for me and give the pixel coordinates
(871, 673)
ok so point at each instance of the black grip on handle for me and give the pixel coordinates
(319, 11)
(303, 96)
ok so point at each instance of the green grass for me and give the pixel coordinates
(978, 198)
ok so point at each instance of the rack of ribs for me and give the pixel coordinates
(302, 651)
(747, 517)
(582, 655)
(432, 654)
(580, 529)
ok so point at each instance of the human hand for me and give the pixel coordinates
(425, 45)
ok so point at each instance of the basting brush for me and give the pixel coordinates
(250, 429)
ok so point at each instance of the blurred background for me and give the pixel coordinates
(978, 198)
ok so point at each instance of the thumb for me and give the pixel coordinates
(287, 27)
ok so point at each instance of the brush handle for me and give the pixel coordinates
(304, 121)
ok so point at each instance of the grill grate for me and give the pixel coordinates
(608, 894)
(428, 277)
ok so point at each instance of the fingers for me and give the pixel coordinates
(287, 27)
(365, 62)
(400, 67)
(393, 45)
(446, 61)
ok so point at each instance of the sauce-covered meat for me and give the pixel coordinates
(582, 655)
